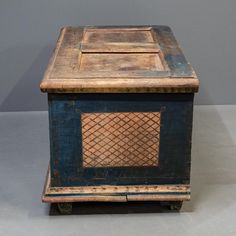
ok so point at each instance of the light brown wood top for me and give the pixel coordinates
(117, 60)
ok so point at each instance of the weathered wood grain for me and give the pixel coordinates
(117, 85)
(95, 63)
(119, 47)
(87, 59)
(119, 34)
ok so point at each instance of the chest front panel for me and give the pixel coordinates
(99, 139)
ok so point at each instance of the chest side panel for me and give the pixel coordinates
(100, 139)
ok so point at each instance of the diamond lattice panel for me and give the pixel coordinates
(120, 139)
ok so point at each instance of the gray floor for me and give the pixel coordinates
(24, 155)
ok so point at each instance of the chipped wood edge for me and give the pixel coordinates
(108, 193)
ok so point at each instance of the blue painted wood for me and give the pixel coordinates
(66, 147)
(173, 55)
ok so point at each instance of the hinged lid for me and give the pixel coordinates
(118, 59)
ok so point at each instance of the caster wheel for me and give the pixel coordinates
(65, 208)
(175, 206)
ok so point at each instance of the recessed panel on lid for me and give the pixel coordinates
(120, 62)
(119, 49)
(118, 35)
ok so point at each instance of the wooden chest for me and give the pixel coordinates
(120, 116)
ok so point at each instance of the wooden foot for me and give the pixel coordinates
(175, 206)
(65, 208)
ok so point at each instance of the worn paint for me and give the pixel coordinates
(117, 193)
(66, 145)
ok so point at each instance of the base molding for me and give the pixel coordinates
(117, 193)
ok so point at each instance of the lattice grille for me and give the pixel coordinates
(120, 139)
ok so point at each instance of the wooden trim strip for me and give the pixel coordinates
(110, 75)
(80, 52)
(119, 47)
(114, 193)
(53, 199)
(155, 197)
(118, 28)
(116, 85)
(120, 189)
